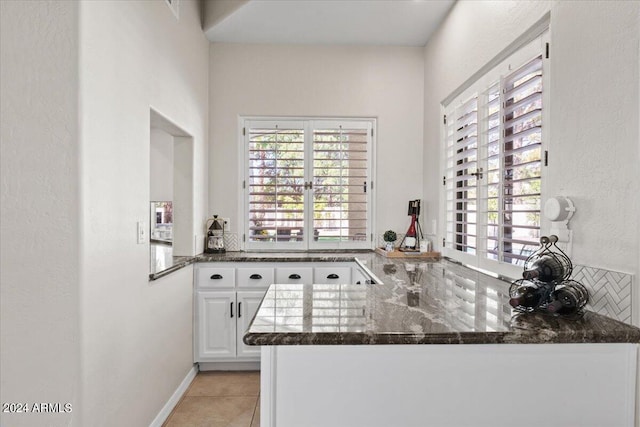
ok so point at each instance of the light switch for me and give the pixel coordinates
(142, 232)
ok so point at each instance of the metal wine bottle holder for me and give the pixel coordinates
(548, 248)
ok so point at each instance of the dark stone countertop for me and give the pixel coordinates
(417, 302)
(306, 256)
(163, 264)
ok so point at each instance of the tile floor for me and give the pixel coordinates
(217, 399)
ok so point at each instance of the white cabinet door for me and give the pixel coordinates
(217, 313)
(248, 303)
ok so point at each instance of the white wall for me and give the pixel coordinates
(39, 208)
(594, 110)
(135, 334)
(161, 163)
(381, 82)
(216, 11)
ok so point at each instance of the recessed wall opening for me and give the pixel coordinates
(170, 192)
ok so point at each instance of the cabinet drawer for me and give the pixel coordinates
(255, 277)
(294, 275)
(340, 275)
(215, 277)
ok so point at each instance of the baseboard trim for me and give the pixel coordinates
(174, 399)
(229, 366)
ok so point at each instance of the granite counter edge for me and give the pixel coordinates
(510, 337)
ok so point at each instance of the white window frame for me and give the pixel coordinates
(308, 124)
(519, 53)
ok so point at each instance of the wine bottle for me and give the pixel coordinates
(568, 299)
(410, 239)
(547, 268)
(531, 295)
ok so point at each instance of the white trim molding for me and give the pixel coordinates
(174, 399)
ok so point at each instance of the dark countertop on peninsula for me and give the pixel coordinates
(418, 302)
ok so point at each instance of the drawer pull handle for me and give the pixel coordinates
(294, 276)
(231, 309)
(333, 276)
(240, 309)
(216, 277)
(255, 277)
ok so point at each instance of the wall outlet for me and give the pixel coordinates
(142, 232)
(227, 225)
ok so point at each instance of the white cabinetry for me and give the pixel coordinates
(359, 277)
(255, 277)
(248, 303)
(332, 274)
(227, 298)
(215, 277)
(288, 273)
(224, 318)
(427, 380)
(229, 294)
(216, 334)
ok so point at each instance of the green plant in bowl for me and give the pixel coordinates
(389, 236)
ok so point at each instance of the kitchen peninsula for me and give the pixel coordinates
(435, 343)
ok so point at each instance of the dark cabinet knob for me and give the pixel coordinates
(231, 309)
(333, 276)
(240, 309)
(216, 277)
(255, 277)
(294, 276)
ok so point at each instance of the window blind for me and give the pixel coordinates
(461, 174)
(308, 184)
(276, 184)
(493, 171)
(340, 180)
(521, 152)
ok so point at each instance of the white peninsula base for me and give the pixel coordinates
(460, 385)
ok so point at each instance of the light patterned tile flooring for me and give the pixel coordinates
(219, 399)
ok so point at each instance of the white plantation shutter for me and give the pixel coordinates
(340, 175)
(519, 219)
(275, 182)
(493, 167)
(493, 170)
(308, 184)
(461, 169)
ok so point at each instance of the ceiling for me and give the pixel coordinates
(332, 22)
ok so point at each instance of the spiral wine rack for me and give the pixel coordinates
(547, 271)
(549, 248)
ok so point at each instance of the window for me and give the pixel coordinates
(308, 184)
(493, 165)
